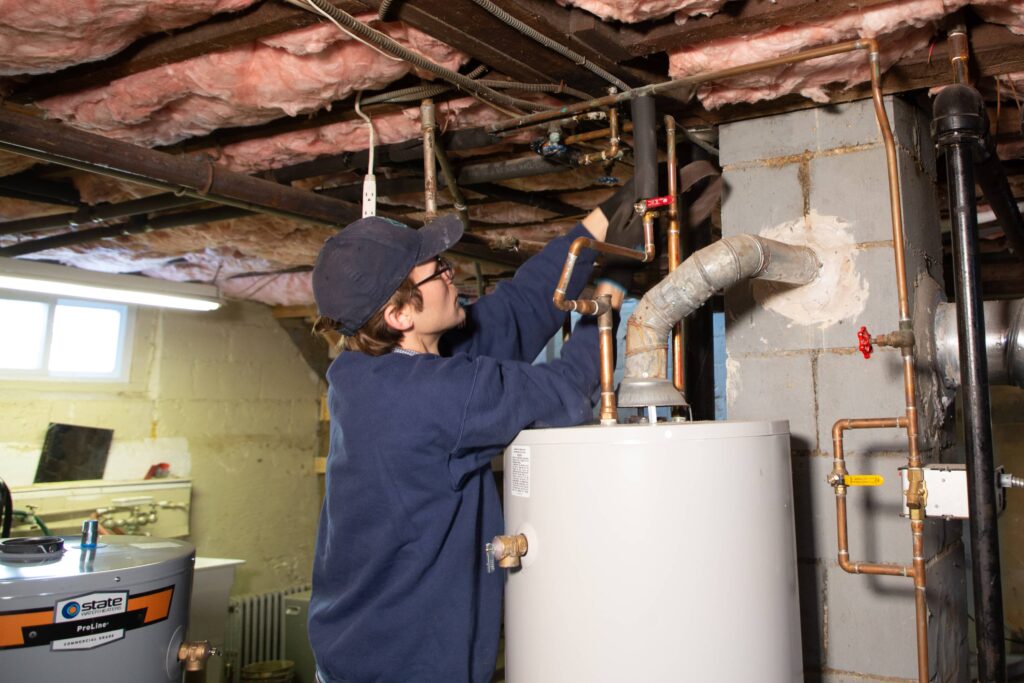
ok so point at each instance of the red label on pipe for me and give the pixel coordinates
(656, 202)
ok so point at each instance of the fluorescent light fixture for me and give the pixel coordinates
(46, 278)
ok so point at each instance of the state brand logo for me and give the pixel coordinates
(91, 606)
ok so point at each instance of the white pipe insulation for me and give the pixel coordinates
(684, 290)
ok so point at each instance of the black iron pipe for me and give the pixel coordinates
(192, 176)
(645, 146)
(132, 227)
(958, 125)
(97, 214)
(25, 186)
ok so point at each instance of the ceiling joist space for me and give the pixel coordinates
(259, 98)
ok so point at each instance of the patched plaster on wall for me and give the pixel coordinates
(839, 293)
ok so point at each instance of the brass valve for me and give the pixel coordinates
(917, 493)
(507, 550)
(195, 654)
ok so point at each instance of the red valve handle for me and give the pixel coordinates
(864, 342)
(653, 203)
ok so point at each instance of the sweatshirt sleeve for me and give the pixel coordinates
(518, 318)
(506, 397)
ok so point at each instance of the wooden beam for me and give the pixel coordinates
(554, 22)
(734, 19)
(465, 26)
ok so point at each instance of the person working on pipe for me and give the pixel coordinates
(427, 392)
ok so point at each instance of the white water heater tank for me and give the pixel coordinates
(655, 553)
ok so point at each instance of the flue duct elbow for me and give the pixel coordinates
(686, 289)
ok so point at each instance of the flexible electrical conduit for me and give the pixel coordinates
(684, 290)
(530, 32)
(419, 92)
(393, 47)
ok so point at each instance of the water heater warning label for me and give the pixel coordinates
(520, 471)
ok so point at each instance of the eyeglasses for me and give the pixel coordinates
(444, 267)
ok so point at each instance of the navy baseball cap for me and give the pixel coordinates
(359, 268)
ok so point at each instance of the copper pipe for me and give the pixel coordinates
(609, 411)
(450, 181)
(595, 134)
(613, 152)
(602, 308)
(687, 82)
(920, 598)
(429, 126)
(592, 306)
(675, 251)
(837, 479)
(916, 493)
(959, 53)
(648, 220)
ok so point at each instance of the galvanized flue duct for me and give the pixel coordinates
(687, 288)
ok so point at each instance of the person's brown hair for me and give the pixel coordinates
(375, 337)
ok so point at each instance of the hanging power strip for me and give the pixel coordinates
(369, 195)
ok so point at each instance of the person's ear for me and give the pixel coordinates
(398, 318)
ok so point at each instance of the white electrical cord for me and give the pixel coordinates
(370, 181)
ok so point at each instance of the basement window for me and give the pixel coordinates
(57, 338)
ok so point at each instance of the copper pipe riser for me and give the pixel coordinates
(674, 247)
(429, 165)
(609, 414)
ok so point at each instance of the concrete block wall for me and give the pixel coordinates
(226, 399)
(830, 162)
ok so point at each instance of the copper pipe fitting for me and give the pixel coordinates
(195, 654)
(508, 550)
(595, 134)
(590, 306)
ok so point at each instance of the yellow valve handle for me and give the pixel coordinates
(863, 480)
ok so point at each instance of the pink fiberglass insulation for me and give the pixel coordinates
(15, 209)
(632, 11)
(302, 145)
(219, 267)
(47, 35)
(14, 163)
(901, 27)
(498, 213)
(93, 189)
(289, 74)
(1007, 12)
(279, 241)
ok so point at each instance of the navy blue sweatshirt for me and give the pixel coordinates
(400, 589)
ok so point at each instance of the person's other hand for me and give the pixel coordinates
(625, 226)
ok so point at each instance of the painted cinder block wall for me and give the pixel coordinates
(820, 166)
(225, 398)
